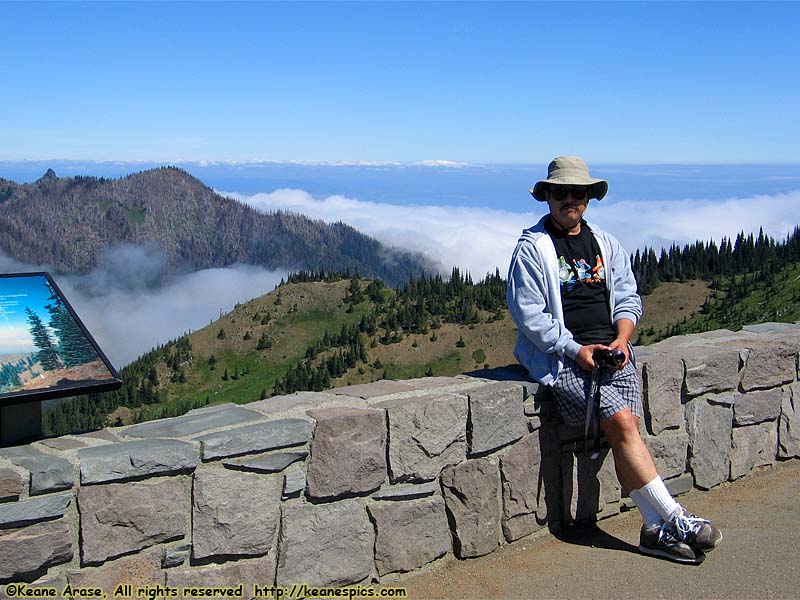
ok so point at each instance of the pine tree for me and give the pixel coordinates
(47, 354)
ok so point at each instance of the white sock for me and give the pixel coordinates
(650, 516)
(657, 496)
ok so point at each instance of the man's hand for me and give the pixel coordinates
(585, 359)
(621, 345)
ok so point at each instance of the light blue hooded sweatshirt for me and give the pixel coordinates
(534, 299)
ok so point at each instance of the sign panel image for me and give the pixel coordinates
(45, 350)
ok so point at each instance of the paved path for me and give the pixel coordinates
(759, 556)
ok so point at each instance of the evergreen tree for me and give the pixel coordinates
(47, 354)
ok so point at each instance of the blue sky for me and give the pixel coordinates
(479, 82)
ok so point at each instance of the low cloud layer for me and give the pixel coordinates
(482, 239)
(130, 303)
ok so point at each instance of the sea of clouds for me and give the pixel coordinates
(131, 302)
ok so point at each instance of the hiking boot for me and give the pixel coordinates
(699, 533)
(661, 541)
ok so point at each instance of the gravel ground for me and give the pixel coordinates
(758, 558)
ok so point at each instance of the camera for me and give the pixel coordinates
(608, 358)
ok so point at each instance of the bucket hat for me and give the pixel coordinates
(569, 170)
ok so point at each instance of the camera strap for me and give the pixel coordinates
(593, 415)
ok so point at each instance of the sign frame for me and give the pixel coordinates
(68, 389)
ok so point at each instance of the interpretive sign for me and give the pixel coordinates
(45, 350)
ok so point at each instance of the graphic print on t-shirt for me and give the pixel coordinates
(580, 271)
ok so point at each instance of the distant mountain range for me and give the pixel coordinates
(67, 222)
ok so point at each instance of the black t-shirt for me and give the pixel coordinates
(583, 285)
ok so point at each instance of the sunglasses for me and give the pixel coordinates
(560, 192)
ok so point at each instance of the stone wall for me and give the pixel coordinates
(356, 484)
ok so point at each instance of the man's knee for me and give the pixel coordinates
(620, 426)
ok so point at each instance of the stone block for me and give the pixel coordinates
(11, 484)
(348, 452)
(522, 496)
(662, 380)
(30, 511)
(769, 365)
(409, 491)
(669, 451)
(138, 571)
(752, 447)
(789, 425)
(757, 407)
(144, 458)
(293, 484)
(63, 443)
(47, 473)
(255, 438)
(267, 463)
(425, 435)
(224, 521)
(409, 534)
(590, 487)
(680, 485)
(473, 501)
(26, 550)
(376, 389)
(496, 417)
(247, 573)
(194, 422)
(175, 556)
(118, 518)
(710, 369)
(325, 544)
(709, 427)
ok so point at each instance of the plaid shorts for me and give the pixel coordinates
(618, 390)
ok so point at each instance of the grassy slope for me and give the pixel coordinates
(301, 313)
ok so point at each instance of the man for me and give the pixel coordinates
(571, 292)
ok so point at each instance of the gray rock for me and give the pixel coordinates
(47, 473)
(680, 485)
(376, 389)
(425, 435)
(753, 446)
(31, 511)
(176, 556)
(325, 545)
(662, 377)
(224, 521)
(245, 573)
(11, 484)
(194, 422)
(348, 452)
(669, 453)
(768, 365)
(710, 369)
(591, 490)
(473, 501)
(709, 427)
(255, 438)
(771, 327)
(406, 492)
(142, 458)
(496, 417)
(293, 485)
(409, 534)
(26, 550)
(789, 425)
(757, 407)
(63, 443)
(101, 434)
(267, 463)
(118, 518)
(300, 402)
(140, 570)
(522, 496)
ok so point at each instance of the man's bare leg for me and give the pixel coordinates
(632, 461)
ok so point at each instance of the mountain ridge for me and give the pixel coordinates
(67, 222)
